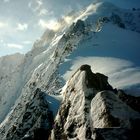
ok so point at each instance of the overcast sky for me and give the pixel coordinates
(24, 21)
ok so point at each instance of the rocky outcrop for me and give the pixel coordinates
(35, 122)
(117, 20)
(92, 110)
(133, 102)
(107, 110)
(95, 80)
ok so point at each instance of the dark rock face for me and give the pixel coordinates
(96, 80)
(59, 126)
(133, 102)
(36, 121)
(85, 115)
(85, 68)
(112, 133)
(117, 20)
(77, 28)
(41, 134)
(119, 133)
(134, 131)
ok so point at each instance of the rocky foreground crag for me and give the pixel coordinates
(90, 110)
(93, 110)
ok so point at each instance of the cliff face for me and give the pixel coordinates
(35, 114)
(90, 110)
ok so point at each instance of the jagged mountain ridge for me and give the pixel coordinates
(39, 72)
(36, 114)
(90, 105)
(87, 107)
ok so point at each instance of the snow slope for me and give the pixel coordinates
(108, 52)
(10, 81)
(125, 3)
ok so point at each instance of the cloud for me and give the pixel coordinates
(2, 24)
(51, 24)
(38, 8)
(122, 73)
(43, 12)
(35, 4)
(6, 0)
(1, 41)
(68, 19)
(22, 27)
(27, 42)
(16, 46)
(42, 24)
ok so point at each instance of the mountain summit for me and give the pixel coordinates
(89, 107)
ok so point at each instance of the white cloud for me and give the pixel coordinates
(68, 19)
(122, 73)
(3, 24)
(43, 12)
(27, 42)
(39, 2)
(51, 24)
(37, 7)
(42, 23)
(6, 0)
(1, 41)
(22, 27)
(30, 4)
(16, 46)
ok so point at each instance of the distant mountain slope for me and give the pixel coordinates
(10, 81)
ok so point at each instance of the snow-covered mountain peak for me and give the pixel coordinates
(107, 11)
(99, 11)
(90, 103)
(85, 78)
